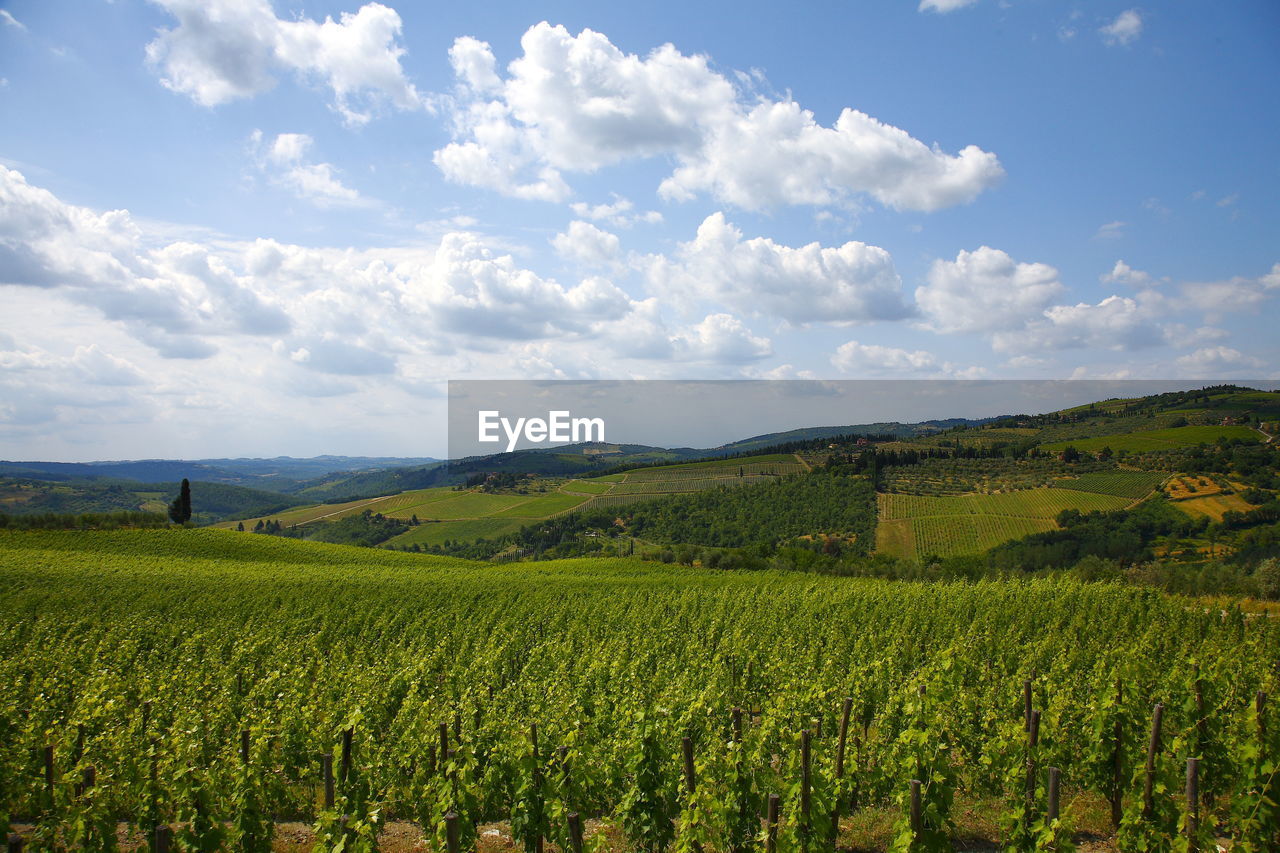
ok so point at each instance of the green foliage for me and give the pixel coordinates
(616, 661)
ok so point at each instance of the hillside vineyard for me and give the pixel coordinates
(204, 681)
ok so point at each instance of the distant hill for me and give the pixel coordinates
(210, 502)
(279, 474)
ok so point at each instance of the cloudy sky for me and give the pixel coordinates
(245, 227)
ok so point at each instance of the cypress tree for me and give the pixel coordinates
(180, 509)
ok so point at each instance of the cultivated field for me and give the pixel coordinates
(202, 673)
(1159, 439)
(919, 525)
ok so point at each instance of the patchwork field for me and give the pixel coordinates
(918, 525)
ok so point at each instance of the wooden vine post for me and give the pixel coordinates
(1193, 804)
(1153, 749)
(841, 740)
(771, 840)
(326, 770)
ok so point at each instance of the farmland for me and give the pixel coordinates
(969, 524)
(615, 661)
(1158, 439)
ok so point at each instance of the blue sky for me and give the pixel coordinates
(256, 228)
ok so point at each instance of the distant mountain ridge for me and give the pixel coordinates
(276, 474)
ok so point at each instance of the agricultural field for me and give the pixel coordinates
(1213, 506)
(1157, 439)
(201, 674)
(1133, 485)
(963, 476)
(917, 525)
(1195, 486)
(438, 532)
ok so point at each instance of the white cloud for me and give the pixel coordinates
(473, 64)
(1234, 294)
(578, 104)
(722, 339)
(1122, 273)
(1229, 200)
(1115, 323)
(1111, 231)
(222, 50)
(586, 244)
(853, 283)
(338, 311)
(1126, 27)
(1220, 361)
(985, 290)
(855, 357)
(944, 6)
(9, 20)
(620, 213)
(286, 162)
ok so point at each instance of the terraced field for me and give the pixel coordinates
(918, 525)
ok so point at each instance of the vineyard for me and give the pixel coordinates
(941, 477)
(1133, 485)
(970, 524)
(211, 684)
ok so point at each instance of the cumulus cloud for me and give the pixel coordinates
(849, 284)
(853, 357)
(1217, 362)
(286, 162)
(620, 213)
(334, 311)
(586, 244)
(1115, 323)
(578, 103)
(1234, 294)
(1125, 29)
(221, 50)
(722, 339)
(984, 291)
(1122, 273)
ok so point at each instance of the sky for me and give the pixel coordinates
(255, 228)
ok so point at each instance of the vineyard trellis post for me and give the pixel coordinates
(326, 770)
(1193, 804)
(805, 792)
(347, 735)
(1055, 778)
(841, 739)
(1033, 740)
(771, 839)
(1153, 748)
(451, 831)
(917, 827)
(575, 832)
(1117, 762)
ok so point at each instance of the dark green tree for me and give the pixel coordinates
(180, 509)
